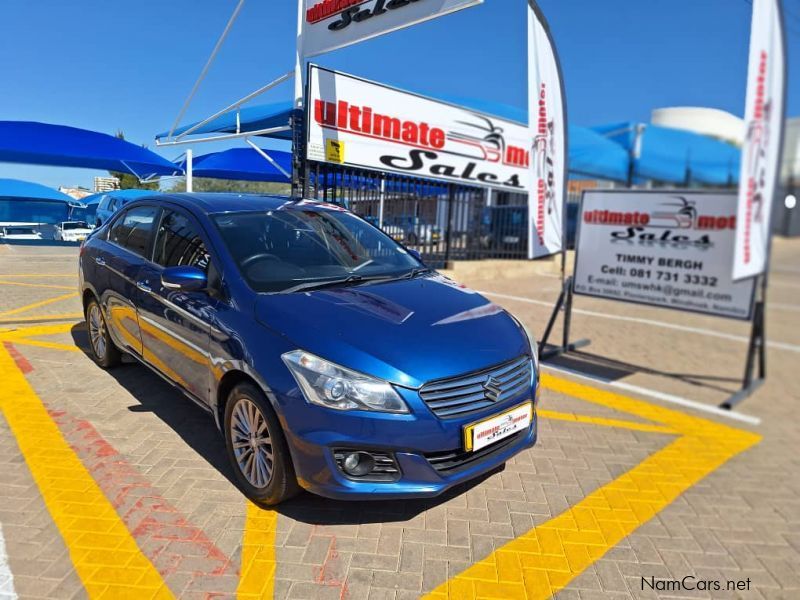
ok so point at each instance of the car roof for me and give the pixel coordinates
(212, 203)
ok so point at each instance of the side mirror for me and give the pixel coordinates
(184, 279)
(415, 254)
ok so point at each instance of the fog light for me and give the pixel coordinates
(358, 464)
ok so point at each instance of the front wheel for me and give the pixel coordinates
(257, 447)
(105, 353)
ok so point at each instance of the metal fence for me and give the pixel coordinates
(442, 221)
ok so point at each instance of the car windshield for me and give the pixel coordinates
(300, 247)
(20, 231)
(74, 225)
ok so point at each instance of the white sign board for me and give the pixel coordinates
(761, 151)
(331, 24)
(549, 132)
(360, 123)
(669, 249)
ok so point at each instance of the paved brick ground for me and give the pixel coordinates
(160, 462)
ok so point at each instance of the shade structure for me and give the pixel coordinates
(36, 143)
(675, 155)
(592, 155)
(28, 202)
(244, 164)
(16, 189)
(252, 118)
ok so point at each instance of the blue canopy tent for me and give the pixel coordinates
(243, 164)
(675, 155)
(28, 202)
(253, 119)
(35, 143)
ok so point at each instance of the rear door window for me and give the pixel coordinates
(133, 229)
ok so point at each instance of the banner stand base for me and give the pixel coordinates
(559, 350)
(564, 302)
(755, 349)
(742, 394)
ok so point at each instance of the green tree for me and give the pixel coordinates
(207, 184)
(129, 181)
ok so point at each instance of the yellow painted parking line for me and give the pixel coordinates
(39, 304)
(37, 285)
(606, 422)
(544, 560)
(258, 554)
(42, 344)
(100, 546)
(55, 317)
(36, 330)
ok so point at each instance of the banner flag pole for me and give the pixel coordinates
(759, 180)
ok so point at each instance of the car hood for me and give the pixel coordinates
(405, 331)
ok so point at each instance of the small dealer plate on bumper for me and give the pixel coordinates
(483, 433)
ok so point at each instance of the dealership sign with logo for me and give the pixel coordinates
(360, 123)
(331, 24)
(667, 249)
(547, 117)
(761, 152)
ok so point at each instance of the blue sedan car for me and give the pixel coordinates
(330, 357)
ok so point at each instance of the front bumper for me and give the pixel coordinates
(317, 472)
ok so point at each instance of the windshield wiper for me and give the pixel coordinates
(316, 285)
(416, 271)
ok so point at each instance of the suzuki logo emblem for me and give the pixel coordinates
(492, 388)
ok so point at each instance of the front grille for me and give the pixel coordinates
(477, 390)
(456, 459)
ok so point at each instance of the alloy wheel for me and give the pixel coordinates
(252, 445)
(97, 331)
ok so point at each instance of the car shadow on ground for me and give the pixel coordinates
(595, 365)
(197, 428)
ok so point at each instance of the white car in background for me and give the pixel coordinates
(72, 231)
(19, 232)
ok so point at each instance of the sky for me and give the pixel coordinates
(122, 65)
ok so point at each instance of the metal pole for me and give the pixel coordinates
(381, 200)
(299, 58)
(189, 171)
(450, 198)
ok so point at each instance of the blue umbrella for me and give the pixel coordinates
(243, 164)
(59, 145)
(16, 189)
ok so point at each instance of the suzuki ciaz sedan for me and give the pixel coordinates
(330, 357)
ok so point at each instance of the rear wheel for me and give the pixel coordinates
(257, 447)
(105, 353)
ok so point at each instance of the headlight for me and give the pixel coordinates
(332, 386)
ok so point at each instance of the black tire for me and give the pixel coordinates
(104, 352)
(281, 482)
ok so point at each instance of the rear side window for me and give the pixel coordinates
(179, 243)
(132, 230)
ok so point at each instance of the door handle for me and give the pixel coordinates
(143, 285)
(100, 261)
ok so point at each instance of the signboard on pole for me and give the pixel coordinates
(547, 116)
(761, 152)
(375, 126)
(331, 24)
(667, 249)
